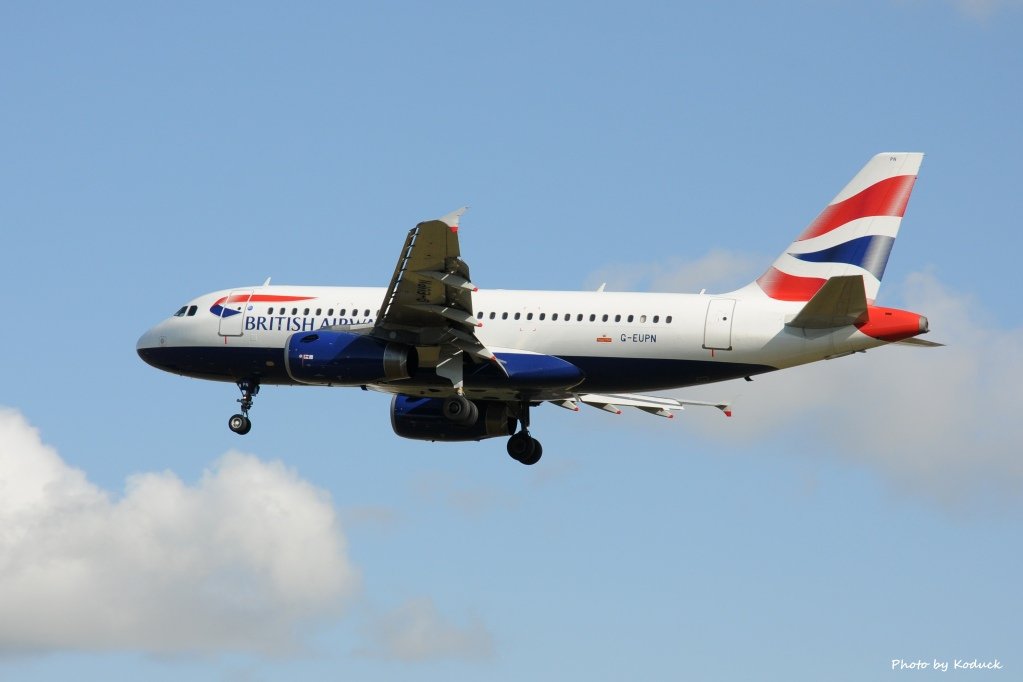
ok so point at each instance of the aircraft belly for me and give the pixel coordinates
(228, 363)
(650, 374)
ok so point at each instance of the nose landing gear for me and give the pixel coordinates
(240, 423)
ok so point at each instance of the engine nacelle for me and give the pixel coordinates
(345, 359)
(423, 419)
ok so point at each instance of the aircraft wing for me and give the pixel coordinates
(658, 405)
(429, 300)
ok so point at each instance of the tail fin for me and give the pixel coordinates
(853, 235)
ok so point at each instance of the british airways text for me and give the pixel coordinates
(284, 323)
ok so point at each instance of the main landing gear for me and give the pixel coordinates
(522, 447)
(240, 423)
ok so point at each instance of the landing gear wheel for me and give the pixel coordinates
(461, 410)
(537, 454)
(240, 424)
(524, 448)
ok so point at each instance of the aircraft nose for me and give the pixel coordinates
(147, 340)
(148, 344)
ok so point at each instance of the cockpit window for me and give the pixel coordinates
(192, 309)
(181, 311)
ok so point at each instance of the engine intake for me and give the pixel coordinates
(423, 419)
(345, 359)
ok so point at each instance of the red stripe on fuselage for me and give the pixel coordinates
(262, 298)
(885, 198)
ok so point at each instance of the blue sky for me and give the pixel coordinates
(851, 513)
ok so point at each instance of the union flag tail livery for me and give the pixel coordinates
(853, 235)
(466, 364)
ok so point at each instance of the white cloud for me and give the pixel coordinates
(416, 631)
(244, 559)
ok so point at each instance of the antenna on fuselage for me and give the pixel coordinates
(266, 283)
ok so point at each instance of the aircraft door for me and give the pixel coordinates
(233, 311)
(717, 332)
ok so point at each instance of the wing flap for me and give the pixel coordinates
(656, 405)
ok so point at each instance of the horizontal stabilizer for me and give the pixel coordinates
(842, 301)
(913, 341)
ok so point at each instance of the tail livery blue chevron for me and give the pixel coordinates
(853, 235)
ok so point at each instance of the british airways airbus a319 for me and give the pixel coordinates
(468, 364)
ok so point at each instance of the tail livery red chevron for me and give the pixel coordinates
(466, 363)
(853, 235)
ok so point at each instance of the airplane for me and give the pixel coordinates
(466, 364)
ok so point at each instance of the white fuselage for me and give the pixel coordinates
(622, 341)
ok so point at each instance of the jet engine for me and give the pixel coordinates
(424, 419)
(333, 358)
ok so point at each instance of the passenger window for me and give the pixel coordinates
(191, 310)
(493, 316)
(618, 318)
(579, 317)
(319, 311)
(629, 319)
(604, 318)
(568, 317)
(479, 315)
(518, 315)
(342, 312)
(181, 311)
(294, 311)
(593, 318)
(367, 312)
(542, 315)
(306, 311)
(504, 316)
(330, 312)
(667, 320)
(642, 318)
(554, 316)
(656, 318)
(529, 316)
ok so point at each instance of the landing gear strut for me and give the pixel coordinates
(522, 447)
(240, 423)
